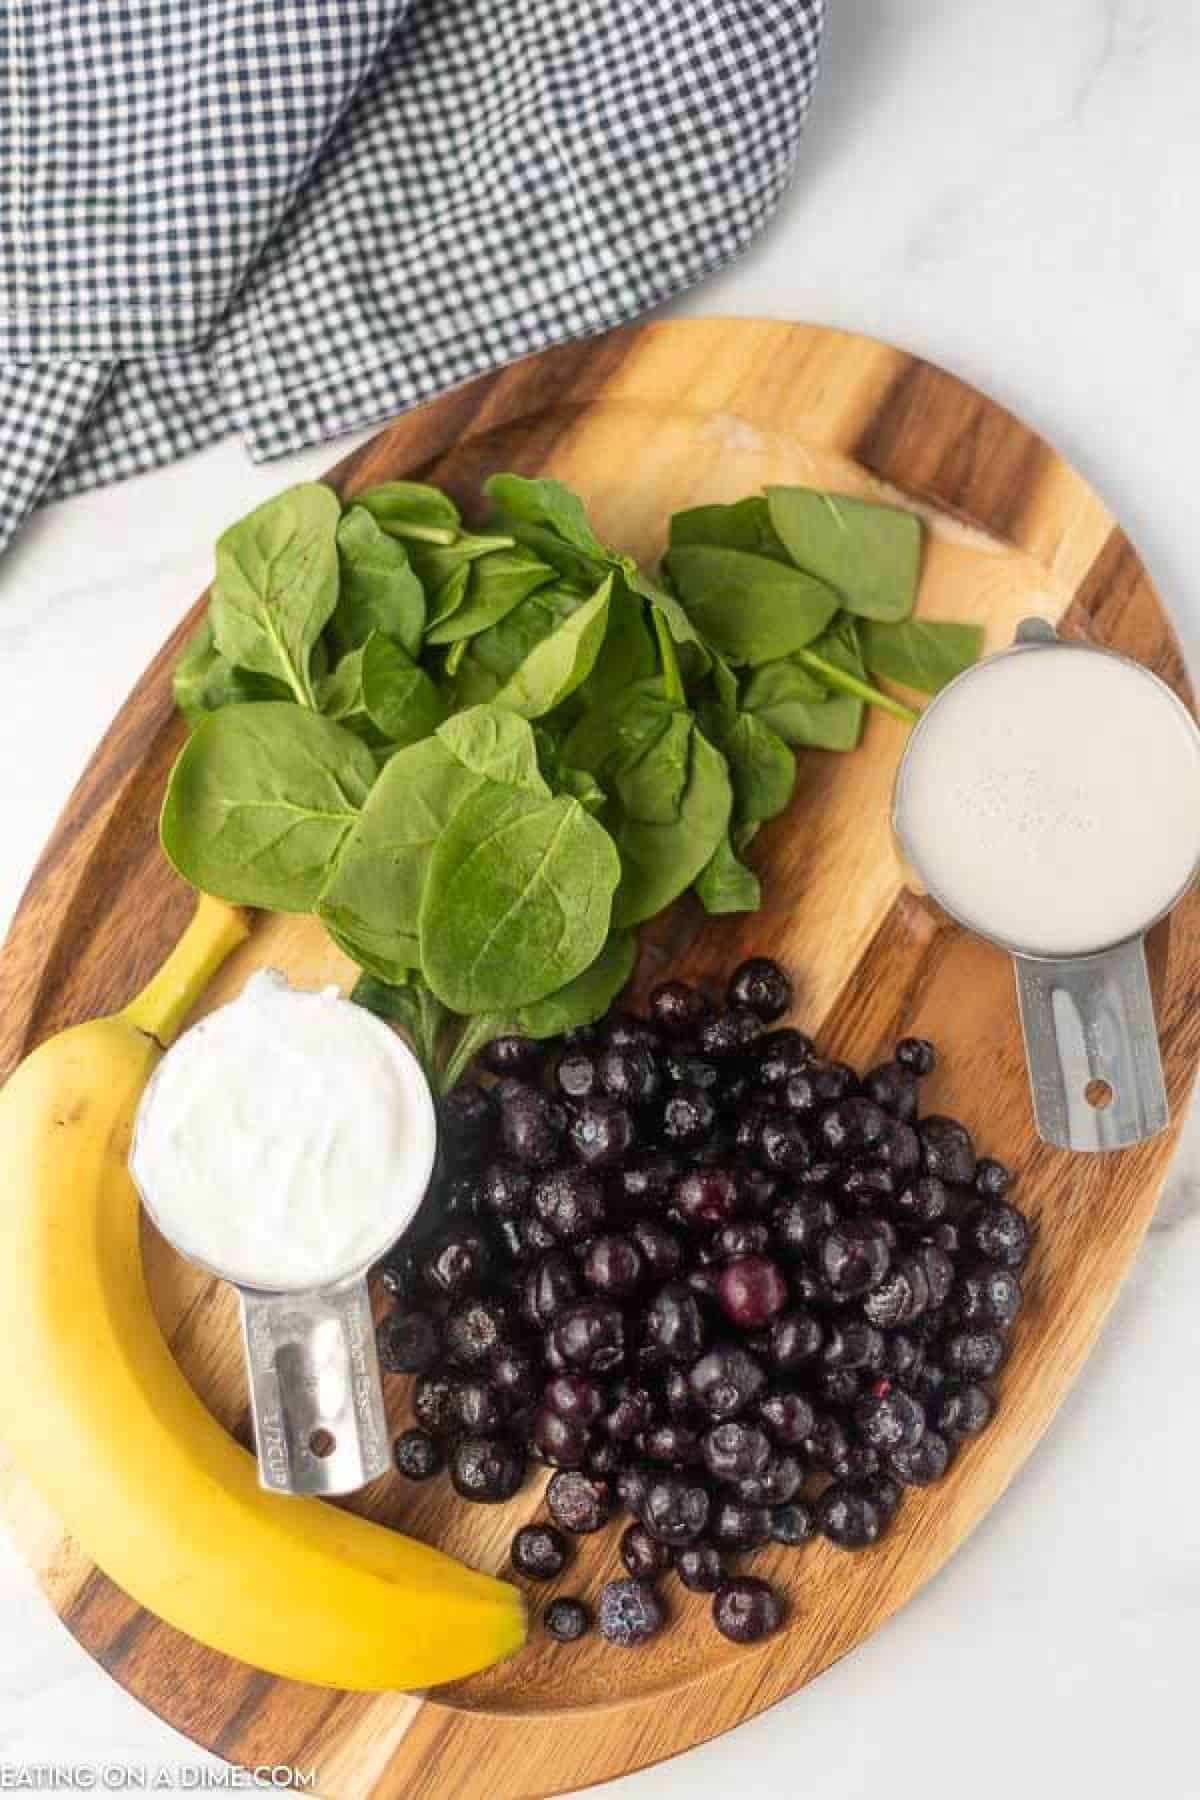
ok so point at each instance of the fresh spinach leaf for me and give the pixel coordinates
(517, 901)
(612, 737)
(694, 651)
(748, 607)
(746, 525)
(571, 565)
(491, 741)
(409, 509)
(449, 596)
(438, 564)
(785, 696)
(467, 682)
(627, 653)
(562, 778)
(203, 682)
(371, 898)
(550, 505)
(921, 653)
(581, 1001)
(491, 587)
(726, 885)
(869, 554)
(586, 998)
(761, 767)
(400, 700)
(260, 801)
(651, 787)
(378, 589)
(659, 861)
(555, 667)
(502, 648)
(382, 695)
(277, 584)
(582, 787)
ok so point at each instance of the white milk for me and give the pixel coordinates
(1051, 799)
(285, 1139)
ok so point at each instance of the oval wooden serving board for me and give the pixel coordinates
(642, 422)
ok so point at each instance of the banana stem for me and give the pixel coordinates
(214, 930)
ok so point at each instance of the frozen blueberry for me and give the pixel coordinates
(752, 1291)
(737, 1524)
(924, 1462)
(917, 1055)
(512, 1055)
(644, 1556)
(566, 1619)
(850, 1516)
(947, 1150)
(760, 985)
(674, 1509)
(530, 1126)
(539, 1552)
(601, 1131)
(999, 1233)
(793, 1523)
(788, 1417)
(475, 1330)
(570, 1203)
(466, 1124)
(433, 1401)
(417, 1454)
(677, 1009)
(577, 1502)
(699, 1567)
(889, 1419)
(726, 1381)
(409, 1342)
(688, 1115)
(746, 1609)
(548, 1288)
(630, 1613)
(486, 1469)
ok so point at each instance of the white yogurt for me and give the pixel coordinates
(286, 1139)
(1051, 799)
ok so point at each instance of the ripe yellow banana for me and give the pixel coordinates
(99, 1416)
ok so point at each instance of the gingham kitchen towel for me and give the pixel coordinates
(289, 218)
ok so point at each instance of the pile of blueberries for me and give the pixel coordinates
(706, 1275)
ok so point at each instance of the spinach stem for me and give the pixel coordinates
(673, 689)
(474, 1035)
(423, 534)
(432, 1015)
(850, 684)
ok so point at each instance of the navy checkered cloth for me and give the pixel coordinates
(288, 218)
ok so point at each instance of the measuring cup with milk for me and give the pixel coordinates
(1049, 800)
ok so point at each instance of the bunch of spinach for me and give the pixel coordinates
(481, 758)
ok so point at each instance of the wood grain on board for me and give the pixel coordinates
(644, 421)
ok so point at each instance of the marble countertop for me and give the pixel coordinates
(1011, 191)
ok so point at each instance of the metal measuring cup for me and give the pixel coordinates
(316, 1396)
(1087, 1018)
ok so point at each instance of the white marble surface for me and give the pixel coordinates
(1010, 190)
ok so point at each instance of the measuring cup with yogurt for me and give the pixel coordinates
(1049, 799)
(283, 1143)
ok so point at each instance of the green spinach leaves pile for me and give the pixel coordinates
(483, 758)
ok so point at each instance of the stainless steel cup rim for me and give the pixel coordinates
(1034, 635)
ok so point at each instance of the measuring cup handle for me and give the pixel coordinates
(1092, 1048)
(315, 1390)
